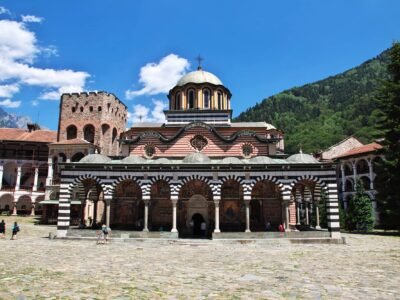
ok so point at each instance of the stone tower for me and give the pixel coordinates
(97, 117)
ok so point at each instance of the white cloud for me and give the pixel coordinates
(18, 50)
(10, 104)
(31, 19)
(4, 10)
(141, 113)
(17, 43)
(8, 90)
(35, 102)
(161, 77)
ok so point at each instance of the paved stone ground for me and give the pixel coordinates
(33, 267)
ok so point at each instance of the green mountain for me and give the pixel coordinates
(320, 114)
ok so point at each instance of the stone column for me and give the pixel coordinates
(332, 210)
(35, 179)
(317, 226)
(216, 203)
(95, 203)
(371, 174)
(1, 176)
(107, 200)
(298, 213)
(174, 201)
(17, 183)
(343, 176)
(287, 227)
(307, 217)
(33, 209)
(354, 175)
(146, 215)
(49, 178)
(14, 211)
(247, 204)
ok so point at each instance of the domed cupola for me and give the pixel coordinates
(199, 96)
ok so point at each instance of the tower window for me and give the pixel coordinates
(71, 132)
(81, 108)
(190, 99)
(73, 109)
(178, 101)
(99, 108)
(219, 100)
(91, 108)
(206, 98)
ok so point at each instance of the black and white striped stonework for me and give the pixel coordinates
(285, 179)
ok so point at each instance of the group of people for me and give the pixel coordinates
(14, 230)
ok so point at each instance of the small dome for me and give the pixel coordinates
(231, 160)
(162, 161)
(302, 158)
(133, 159)
(261, 160)
(199, 76)
(196, 157)
(95, 159)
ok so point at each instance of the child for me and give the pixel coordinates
(15, 230)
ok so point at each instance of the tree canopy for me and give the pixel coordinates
(320, 114)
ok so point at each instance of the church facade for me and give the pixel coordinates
(199, 167)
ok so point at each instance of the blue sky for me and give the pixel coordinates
(137, 49)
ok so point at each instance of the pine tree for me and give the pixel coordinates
(387, 181)
(359, 215)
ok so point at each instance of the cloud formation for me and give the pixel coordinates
(18, 51)
(10, 104)
(4, 11)
(141, 113)
(31, 19)
(160, 77)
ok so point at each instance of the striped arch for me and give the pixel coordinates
(160, 177)
(309, 178)
(233, 177)
(267, 178)
(179, 185)
(121, 179)
(79, 179)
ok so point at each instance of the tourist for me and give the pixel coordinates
(2, 229)
(106, 231)
(267, 226)
(15, 230)
(203, 227)
(281, 229)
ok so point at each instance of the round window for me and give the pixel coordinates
(149, 150)
(198, 142)
(247, 150)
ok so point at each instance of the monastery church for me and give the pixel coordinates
(168, 179)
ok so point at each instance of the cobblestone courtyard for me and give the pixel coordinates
(34, 267)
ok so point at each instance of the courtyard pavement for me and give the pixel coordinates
(34, 267)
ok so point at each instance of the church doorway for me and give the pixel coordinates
(197, 220)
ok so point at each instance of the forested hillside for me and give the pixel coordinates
(318, 115)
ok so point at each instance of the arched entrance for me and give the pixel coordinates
(232, 207)
(196, 221)
(266, 206)
(160, 209)
(195, 203)
(127, 207)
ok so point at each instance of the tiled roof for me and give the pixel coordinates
(17, 134)
(72, 142)
(360, 150)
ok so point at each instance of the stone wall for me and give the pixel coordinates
(99, 118)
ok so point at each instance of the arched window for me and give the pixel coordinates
(114, 135)
(190, 97)
(219, 96)
(88, 133)
(206, 98)
(178, 101)
(71, 132)
(362, 167)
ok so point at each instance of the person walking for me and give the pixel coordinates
(106, 231)
(203, 228)
(2, 229)
(15, 230)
